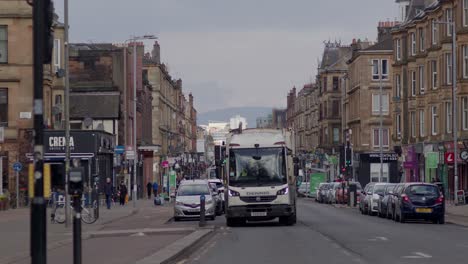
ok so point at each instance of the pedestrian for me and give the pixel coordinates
(149, 186)
(108, 191)
(123, 192)
(155, 189)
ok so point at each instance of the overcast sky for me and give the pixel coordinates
(232, 53)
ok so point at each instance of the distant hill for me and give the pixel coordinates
(251, 113)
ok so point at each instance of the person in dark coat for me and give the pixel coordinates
(108, 191)
(155, 189)
(123, 192)
(149, 186)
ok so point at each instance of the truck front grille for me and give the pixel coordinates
(258, 199)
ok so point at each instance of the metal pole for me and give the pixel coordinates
(17, 189)
(38, 205)
(454, 102)
(67, 116)
(381, 122)
(134, 123)
(77, 252)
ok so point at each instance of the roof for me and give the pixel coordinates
(95, 105)
(333, 55)
(385, 45)
(263, 137)
(193, 182)
(93, 46)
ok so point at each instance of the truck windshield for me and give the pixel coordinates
(256, 167)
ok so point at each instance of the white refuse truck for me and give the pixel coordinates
(260, 176)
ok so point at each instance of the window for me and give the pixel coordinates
(448, 19)
(376, 104)
(3, 107)
(375, 69)
(336, 108)
(413, 83)
(448, 117)
(398, 49)
(375, 172)
(421, 79)
(435, 119)
(379, 67)
(398, 85)
(324, 84)
(398, 125)
(434, 74)
(465, 113)
(421, 39)
(56, 55)
(336, 135)
(413, 124)
(385, 139)
(335, 83)
(422, 127)
(413, 44)
(448, 63)
(465, 13)
(465, 61)
(3, 44)
(434, 32)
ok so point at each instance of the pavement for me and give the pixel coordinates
(121, 235)
(457, 214)
(327, 234)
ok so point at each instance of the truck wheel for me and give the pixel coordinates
(288, 220)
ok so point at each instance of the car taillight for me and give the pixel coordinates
(440, 200)
(405, 198)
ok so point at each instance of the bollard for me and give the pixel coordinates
(202, 211)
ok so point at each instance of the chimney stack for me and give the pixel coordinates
(156, 53)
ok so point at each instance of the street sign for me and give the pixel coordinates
(130, 154)
(464, 155)
(432, 160)
(119, 149)
(449, 157)
(17, 166)
(165, 164)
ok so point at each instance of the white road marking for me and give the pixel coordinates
(378, 239)
(346, 253)
(418, 255)
(138, 234)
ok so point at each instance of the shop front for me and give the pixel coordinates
(370, 166)
(410, 164)
(93, 149)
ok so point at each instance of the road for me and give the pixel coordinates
(326, 234)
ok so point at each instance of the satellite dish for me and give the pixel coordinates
(88, 122)
(100, 127)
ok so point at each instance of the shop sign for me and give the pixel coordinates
(385, 156)
(449, 157)
(432, 160)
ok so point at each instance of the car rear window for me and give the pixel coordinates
(423, 190)
(379, 189)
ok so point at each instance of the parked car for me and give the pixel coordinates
(392, 199)
(420, 201)
(332, 192)
(370, 198)
(218, 198)
(384, 200)
(319, 189)
(187, 204)
(220, 186)
(321, 192)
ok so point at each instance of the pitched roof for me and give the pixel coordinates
(386, 44)
(333, 55)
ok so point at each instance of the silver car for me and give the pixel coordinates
(187, 204)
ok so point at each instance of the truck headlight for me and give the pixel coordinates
(209, 202)
(233, 193)
(283, 191)
(179, 203)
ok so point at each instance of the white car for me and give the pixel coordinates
(370, 198)
(187, 204)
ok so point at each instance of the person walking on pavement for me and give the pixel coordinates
(108, 191)
(123, 192)
(148, 189)
(155, 189)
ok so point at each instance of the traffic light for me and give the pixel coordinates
(48, 44)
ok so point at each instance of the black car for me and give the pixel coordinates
(384, 200)
(419, 201)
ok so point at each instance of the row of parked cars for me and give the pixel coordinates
(404, 201)
(335, 192)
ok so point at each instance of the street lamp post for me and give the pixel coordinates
(454, 104)
(134, 39)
